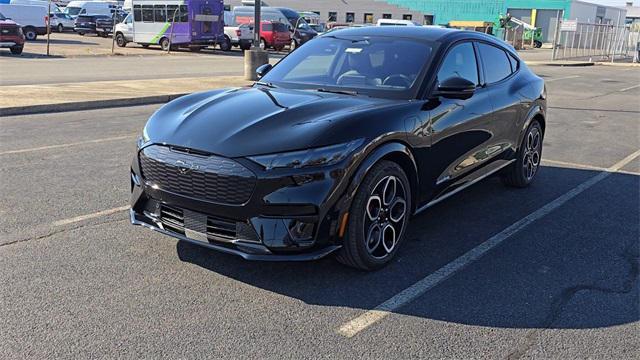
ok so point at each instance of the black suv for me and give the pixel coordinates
(94, 24)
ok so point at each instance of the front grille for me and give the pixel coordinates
(216, 229)
(205, 177)
(9, 31)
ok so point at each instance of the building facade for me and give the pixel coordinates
(541, 13)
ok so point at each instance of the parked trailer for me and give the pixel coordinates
(178, 23)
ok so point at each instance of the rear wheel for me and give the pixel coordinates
(164, 44)
(523, 171)
(30, 33)
(226, 44)
(378, 218)
(120, 40)
(60, 28)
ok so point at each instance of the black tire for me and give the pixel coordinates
(60, 28)
(16, 50)
(226, 44)
(245, 47)
(522, 172)
(537, 44)
(263, 44)
(164, 44)
(144, 45)
(30, 33)
(120, 40)
(293, 45)
(81, 33)
(362, 248)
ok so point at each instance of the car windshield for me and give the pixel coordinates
(370, 65)
(72, 10)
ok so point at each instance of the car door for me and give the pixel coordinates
(459, 128)
(503, 87)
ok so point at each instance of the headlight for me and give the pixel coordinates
(20, 31)
(323, 156)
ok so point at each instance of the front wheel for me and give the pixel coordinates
(30, 33)
(378, 218)
(120, 40)
(16, 50)
(523, 171)
(60, 28)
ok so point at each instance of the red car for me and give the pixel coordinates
(11, 36)
(274, 34)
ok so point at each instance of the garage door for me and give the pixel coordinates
(547, 19)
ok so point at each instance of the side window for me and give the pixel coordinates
(460, 62)
(497, 65)
(160, 13)
(137, 13)
(184, 13)
(147, 13)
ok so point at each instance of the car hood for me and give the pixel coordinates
(252, 121)
(8, 23)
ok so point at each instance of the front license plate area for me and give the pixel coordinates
(195, 226)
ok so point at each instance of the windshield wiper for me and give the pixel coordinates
(343, 92)
(267, 84)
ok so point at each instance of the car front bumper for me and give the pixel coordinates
(288, 216)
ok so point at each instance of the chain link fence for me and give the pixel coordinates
(597, 42)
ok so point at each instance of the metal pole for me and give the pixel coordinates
(173, 23)
(48, 27)
(556, 36)
(615, 42)
(257, 9)
(113, 32)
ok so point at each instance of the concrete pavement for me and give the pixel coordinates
(566, 286)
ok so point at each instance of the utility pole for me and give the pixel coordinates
(257, 10)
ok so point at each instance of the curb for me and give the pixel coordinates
(87, 105)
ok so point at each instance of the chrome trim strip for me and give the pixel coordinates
(446, 196)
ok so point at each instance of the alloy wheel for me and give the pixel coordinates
(531, 160)
(384, 217)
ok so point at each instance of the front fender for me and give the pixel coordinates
(393, 150)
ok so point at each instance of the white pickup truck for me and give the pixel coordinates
(239, 36)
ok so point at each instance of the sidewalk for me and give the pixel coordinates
(31, 99)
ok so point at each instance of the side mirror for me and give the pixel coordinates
(262, 70)
(455, 88)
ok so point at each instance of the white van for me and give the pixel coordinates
(395, 22)
(75, 8)
(31, 18)
(54, 7)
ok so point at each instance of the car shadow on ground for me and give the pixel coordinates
(53, 41)
(29, 55)
(576, 268)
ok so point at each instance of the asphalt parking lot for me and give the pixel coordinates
(551, 271)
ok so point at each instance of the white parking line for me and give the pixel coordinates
(562, 78)
(573, 165)
(90, 216)
(630, 88)
(383, 310)
(49, 147)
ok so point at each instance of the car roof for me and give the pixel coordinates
(416, 32)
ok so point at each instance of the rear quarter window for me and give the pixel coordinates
(495, 62)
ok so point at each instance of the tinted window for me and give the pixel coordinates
(496, 63)
(160, 13)
(184, 14)
(137, 13)
(147, 13)
(267, 27)
(460, 62)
